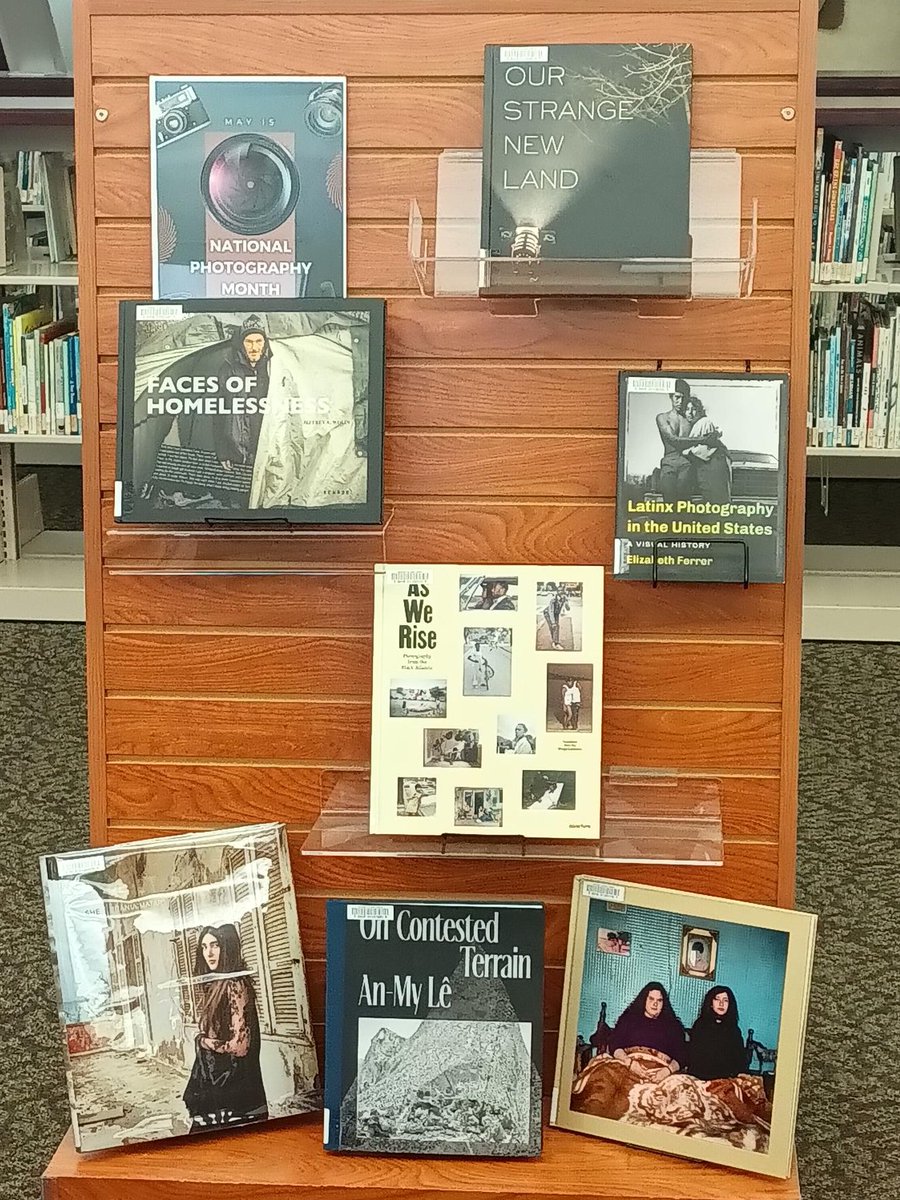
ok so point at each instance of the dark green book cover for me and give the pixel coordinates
(586, 167)
(702, 471)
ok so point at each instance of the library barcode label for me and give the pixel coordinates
(370, 912)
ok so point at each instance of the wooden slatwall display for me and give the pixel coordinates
(224, 699)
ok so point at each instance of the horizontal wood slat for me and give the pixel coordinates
(748, 874)
(561, 467)
(345, 601)
(613, 331)
(380, 183)
(692, 672)
(277, 729)
(434, 45)
(234, 794)
(528, 396)
(200, 663)
(453, 532)
(378, 258)
(336, 601)
(537, 8)
(327, 730)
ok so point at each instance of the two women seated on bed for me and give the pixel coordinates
(712, 1049)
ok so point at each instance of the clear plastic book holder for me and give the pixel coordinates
(246, 549)
(447, 258)
(659, 817)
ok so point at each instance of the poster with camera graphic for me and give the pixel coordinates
(230, 412)
(247, 187)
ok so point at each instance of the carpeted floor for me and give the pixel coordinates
(848, 859)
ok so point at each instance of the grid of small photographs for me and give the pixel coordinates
(491, 672)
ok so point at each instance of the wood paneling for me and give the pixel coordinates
(212, 663)
(380, 184)
(447, 115)
(323, 730)
(558, 466)
(223, 793)
(613, 331)
(434, 46)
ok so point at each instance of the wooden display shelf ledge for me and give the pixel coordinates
(286, 1162)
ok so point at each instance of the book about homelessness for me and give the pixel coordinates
(251, 413)
(181, 990)
(247, 187)
(434, 1027)
(702, 466)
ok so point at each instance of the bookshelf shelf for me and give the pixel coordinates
(41, 271)
(47, 582)
(851, 594)
(41, 439)
(849, 452)
(876, 289)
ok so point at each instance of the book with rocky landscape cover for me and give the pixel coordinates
(434, 1026)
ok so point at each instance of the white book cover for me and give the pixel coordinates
(486, 700)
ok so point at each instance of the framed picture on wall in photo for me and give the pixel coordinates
(702, 1018)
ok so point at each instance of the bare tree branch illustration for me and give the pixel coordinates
(654, 78)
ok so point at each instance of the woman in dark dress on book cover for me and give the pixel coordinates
(225, 1087)
(649, 1021)
(717, 1049)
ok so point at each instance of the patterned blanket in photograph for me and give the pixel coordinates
(734, 1109)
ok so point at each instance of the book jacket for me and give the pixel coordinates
(180, 983)
(486, 700)
(231, 412)
(683, 1022)
(434, 1025)
(247, 180)
(586, 166)
(702, 477)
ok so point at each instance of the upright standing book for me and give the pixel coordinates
(434, 1023)
(181, 990)
(486, 699)
(247, 182)
(702, 474)
(683, 1023)
(237, 413)
(587, 168)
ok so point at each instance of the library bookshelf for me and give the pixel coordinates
(201, 711)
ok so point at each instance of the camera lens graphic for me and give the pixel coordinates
(175, 121)
(250, 184)
(324, 110)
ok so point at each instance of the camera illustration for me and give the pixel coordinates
(324, 113)
(250, 184)
(178, 115)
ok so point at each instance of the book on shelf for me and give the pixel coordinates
(59, 207)
(700, 496)
(243, 412)
(683, 1023)
(434, 1024)
(852, 210)
(854, 372)
(577, 142)
(12, 221)
(247, 186)
(180, 985)
(486, 700)
(40, 366)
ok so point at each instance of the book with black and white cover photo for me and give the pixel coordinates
(683, 1023)
(702, 477)
(180, 984)
(434, 1024)
(234, 413)
(587, 162)
(486, 700)
(247, 187)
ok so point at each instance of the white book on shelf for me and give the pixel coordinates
(883, 193)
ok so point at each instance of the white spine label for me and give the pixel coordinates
(117, 499)
(514, 54)
(86, 865)
(655, 383)
(159, 312)
(370, 912)
(603, 891)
